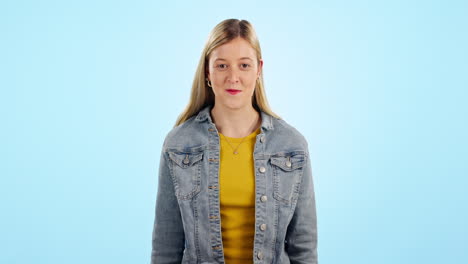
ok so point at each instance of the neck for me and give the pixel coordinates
(236, 123)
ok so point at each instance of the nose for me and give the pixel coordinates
(233, 76)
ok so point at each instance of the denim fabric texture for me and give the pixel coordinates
(187, 225)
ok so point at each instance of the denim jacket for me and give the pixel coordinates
(187, 225)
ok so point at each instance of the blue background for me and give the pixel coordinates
(89, 89)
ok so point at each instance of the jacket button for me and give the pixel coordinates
(263, 227)
(263, 198)
(262, 138)
(288, 163)
(260, 255)
(186, 160)
(262, 169)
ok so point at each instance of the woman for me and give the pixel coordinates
(235, 180)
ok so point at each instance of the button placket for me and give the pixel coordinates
(263, 198)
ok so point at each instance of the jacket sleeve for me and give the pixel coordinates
(168, 239)
(301, 236)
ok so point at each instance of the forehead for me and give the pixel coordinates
(233, 50)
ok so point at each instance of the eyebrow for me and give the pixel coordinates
(243, 58)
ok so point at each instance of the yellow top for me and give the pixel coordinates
(237, 198)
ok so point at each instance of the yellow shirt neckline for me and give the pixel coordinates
(233, 139)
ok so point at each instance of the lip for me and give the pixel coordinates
(233, 91)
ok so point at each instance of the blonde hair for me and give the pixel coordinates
(201, 94)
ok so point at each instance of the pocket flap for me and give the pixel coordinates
(185, 160)
(288, 163)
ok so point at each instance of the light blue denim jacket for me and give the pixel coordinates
(187, 226)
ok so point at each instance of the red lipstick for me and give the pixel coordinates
(233, 91)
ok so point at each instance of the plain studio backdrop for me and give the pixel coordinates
(89, 89)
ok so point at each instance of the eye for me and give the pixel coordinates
(222, 66)
(245, 65)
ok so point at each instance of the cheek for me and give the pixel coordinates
(217, 77)
(252, 81)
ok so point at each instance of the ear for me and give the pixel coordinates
(207, 73)
(260, 67)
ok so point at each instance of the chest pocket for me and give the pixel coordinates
(186, 173)
(287, 174)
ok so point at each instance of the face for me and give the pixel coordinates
(233, 71)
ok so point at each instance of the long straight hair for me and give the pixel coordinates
(201, 94)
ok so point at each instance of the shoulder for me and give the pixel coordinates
(288, 134)
(185, 134)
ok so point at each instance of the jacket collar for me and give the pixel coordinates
(204, 114)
